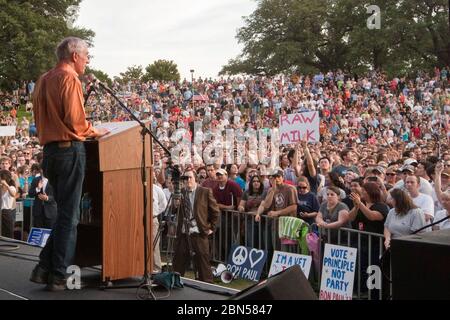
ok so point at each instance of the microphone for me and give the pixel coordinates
(93, 85)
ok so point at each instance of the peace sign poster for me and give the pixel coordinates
(246, 263)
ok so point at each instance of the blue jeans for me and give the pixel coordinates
(65, 169)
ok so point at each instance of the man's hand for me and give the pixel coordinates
(43, 197)
(439, 169)
(322, 224)
(100, 132)
(273, 214)
(303, 143)
(210, 232)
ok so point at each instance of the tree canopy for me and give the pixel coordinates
(290, 36)
(29, 34)
(133, 73)
(162, 70)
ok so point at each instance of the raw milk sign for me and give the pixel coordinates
(246, 263)
(284, 260)
(338, 273)
(299, 126)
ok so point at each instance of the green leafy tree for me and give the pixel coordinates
(289, 36)
(29, 33)
(100, 75)
(133, 73)
(162, 70)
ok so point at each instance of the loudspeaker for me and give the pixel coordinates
(290, 284)
(421, 266)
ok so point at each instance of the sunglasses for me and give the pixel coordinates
(303, 188)
(391, 174)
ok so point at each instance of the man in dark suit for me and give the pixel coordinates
(44, 205)
(202, 214)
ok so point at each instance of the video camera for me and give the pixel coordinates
(175, 173)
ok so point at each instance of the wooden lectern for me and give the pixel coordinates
(114, 236)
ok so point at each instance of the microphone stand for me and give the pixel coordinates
(147, 281)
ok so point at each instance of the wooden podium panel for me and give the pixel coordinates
(115, 236)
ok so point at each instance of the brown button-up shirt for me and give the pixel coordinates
(58, 107)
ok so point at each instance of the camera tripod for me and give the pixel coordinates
(174, 214)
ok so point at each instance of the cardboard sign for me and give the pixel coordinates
(38, 237)
(246, 263)
(338, 273)
(298, 126)
(284, 260)
(7, 131)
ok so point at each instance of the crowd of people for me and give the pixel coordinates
(382, 164)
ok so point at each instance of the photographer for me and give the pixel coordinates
(201, 213)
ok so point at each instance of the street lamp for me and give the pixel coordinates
(192, 76)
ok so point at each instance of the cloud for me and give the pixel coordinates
(198, 34)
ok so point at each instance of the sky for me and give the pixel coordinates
(196, 34)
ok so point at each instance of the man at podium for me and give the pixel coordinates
(62, 127)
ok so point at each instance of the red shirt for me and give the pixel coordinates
(416, 132)
(229, 195)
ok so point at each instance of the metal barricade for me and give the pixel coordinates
(240, 228)
(370, 250)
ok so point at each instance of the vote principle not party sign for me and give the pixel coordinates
(338, 273)
(246, 263)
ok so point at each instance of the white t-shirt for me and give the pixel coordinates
(8, 202)
(159, 200)
(425, 202)
(425, 186)
(441, 214)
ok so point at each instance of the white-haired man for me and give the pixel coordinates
(62, 127)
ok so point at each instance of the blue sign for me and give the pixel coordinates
(38, 237)
(246, 263)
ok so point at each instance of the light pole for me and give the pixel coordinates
(192, 76)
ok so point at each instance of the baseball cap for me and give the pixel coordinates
(409, 168)
(410, 161)
(222, 172)
(379, 169)
(276, 172)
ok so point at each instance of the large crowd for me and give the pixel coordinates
(377, 135)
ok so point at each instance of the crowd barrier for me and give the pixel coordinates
(238, 228)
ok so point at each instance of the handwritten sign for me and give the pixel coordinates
(284, 260)
(246, 263)
(296, 127)
(338, 273)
